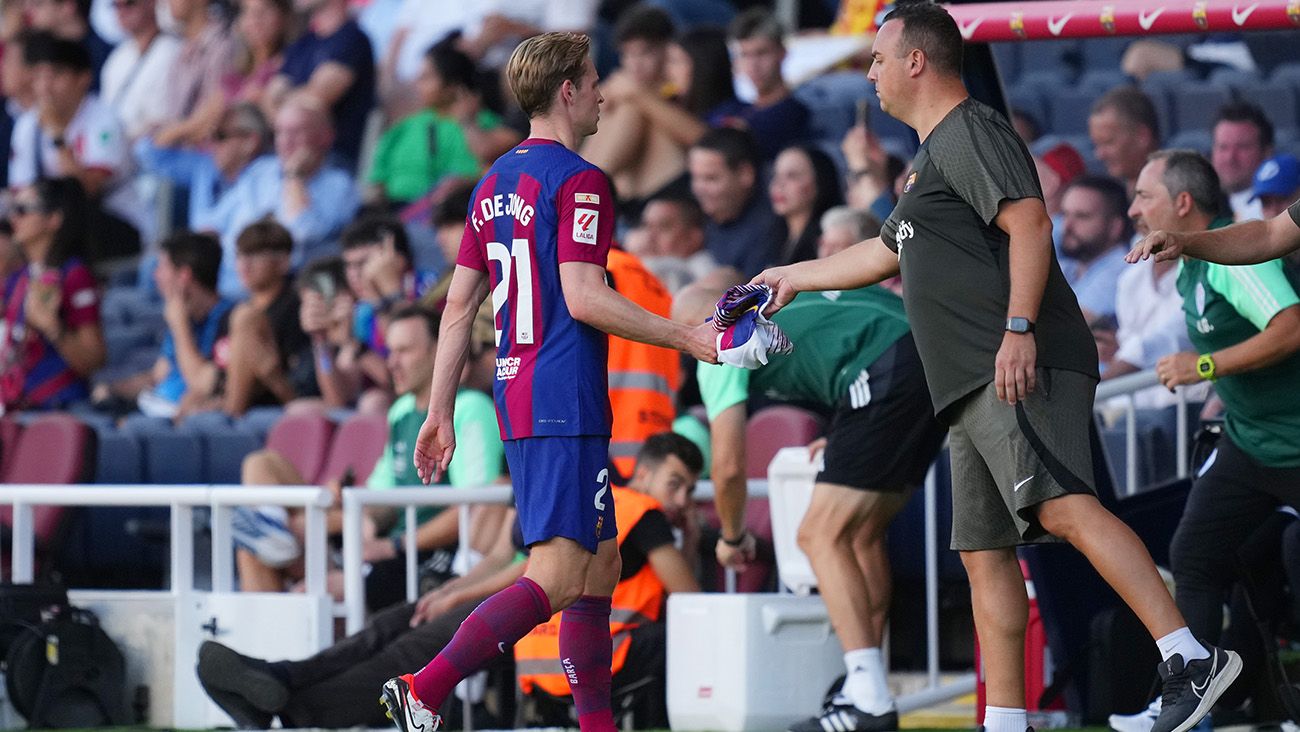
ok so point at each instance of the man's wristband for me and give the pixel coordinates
(735, 543)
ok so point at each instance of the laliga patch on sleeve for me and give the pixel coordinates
(585, 223)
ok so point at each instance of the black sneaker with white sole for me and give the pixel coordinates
(840, 717)
(1191, 688)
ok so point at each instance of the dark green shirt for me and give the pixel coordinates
(1224, 306)
(837, 335)
(954, 259)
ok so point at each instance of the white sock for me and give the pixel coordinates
(1003, 719)
(866, 685)
(1183, 643)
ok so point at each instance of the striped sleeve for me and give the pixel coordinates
(1257, 291)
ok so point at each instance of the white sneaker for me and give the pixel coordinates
(264, 531)
(1143, 721)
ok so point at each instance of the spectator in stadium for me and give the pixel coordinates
(973, 246)
(263, 30)
(242, 136)
(70, 20)
(297, 187)
(1095, 231)
(642, 157)
(1124, 130)
(345, 368)
(776, 118)
(332, 61)
(193, 89)
(804, 185)
(1242, 140)
(265, 556)
(842, 227)
(871, 171)
(1025, 125)
(1244, 326)
(498, 26)
(138, 68)
(1057, 169)
(18, 95)
(1247, 242)
(270, 359)
(1277, 184)
(881, 442)
(187, 375)
(724, 167)
(52, 341)
(381, 273)
(452, 136)
(670, 241)
(334, 688)
(70, 132)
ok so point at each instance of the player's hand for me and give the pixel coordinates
(737, 557)
(815, 448)
(1177, 369)
(702, 343)
(1014, 367)
(783, 289)
(434, 446)
(1164, 245)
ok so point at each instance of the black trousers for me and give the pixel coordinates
(1231, 498)
(339, 687)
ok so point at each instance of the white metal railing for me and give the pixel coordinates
(1127, 386)
(182, 500)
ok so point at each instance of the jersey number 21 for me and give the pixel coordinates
(516, 261)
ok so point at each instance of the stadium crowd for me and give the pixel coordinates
(219, 209)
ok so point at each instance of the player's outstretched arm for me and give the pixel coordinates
(1248, 242)
(437, 440)
(592, 301)
(862, 264)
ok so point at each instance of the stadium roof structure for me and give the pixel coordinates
(1025, 21)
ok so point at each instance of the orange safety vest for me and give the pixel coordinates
(643, 379)
(637, 600)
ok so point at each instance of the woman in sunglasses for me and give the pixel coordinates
(50, 339)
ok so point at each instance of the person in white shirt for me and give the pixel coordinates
(1243, 139)
(70, 132)
(670, 242)
(138, 68)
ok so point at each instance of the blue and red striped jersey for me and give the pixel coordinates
(540, 205)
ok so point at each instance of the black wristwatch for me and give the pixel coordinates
(59, 142)
(1020, 325)
(734, 543)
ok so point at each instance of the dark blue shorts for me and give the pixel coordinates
(562, 489)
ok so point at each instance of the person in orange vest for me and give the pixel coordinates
(654, 506)
(335, 688)
(643, 379)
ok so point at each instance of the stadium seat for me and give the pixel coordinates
(225, 450)
(1194, 107)
(773, 428)
(1287, 73)
(1069, 111)
(1045, 81)
(49, 435)
(205, 422)
(1105, 54)
(1198, 140)
(1063, 57)
(10, 429)
(1233, 79)
(1276, 98)
(1029, 101)
(172, 457)
(1098, 81)
(303, 439)
(260, 420)
(832, 98)
(1007, 56)
(357, 444)
(119, 457)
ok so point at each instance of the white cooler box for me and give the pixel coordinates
(748, 662)
(790, 478)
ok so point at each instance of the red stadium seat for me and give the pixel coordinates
(357, 444)
(773, 428)
(53, 449)
(303, 440)
(10, 429)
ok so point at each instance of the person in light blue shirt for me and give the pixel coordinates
(295, 186)
(1094, 237)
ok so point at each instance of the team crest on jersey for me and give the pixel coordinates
(585, 223)
(911, 181)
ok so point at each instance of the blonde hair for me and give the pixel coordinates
(540, 65)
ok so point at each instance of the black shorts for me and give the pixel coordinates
(883, 435)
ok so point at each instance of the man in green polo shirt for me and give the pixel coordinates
(856, 360)
(1244, 322)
